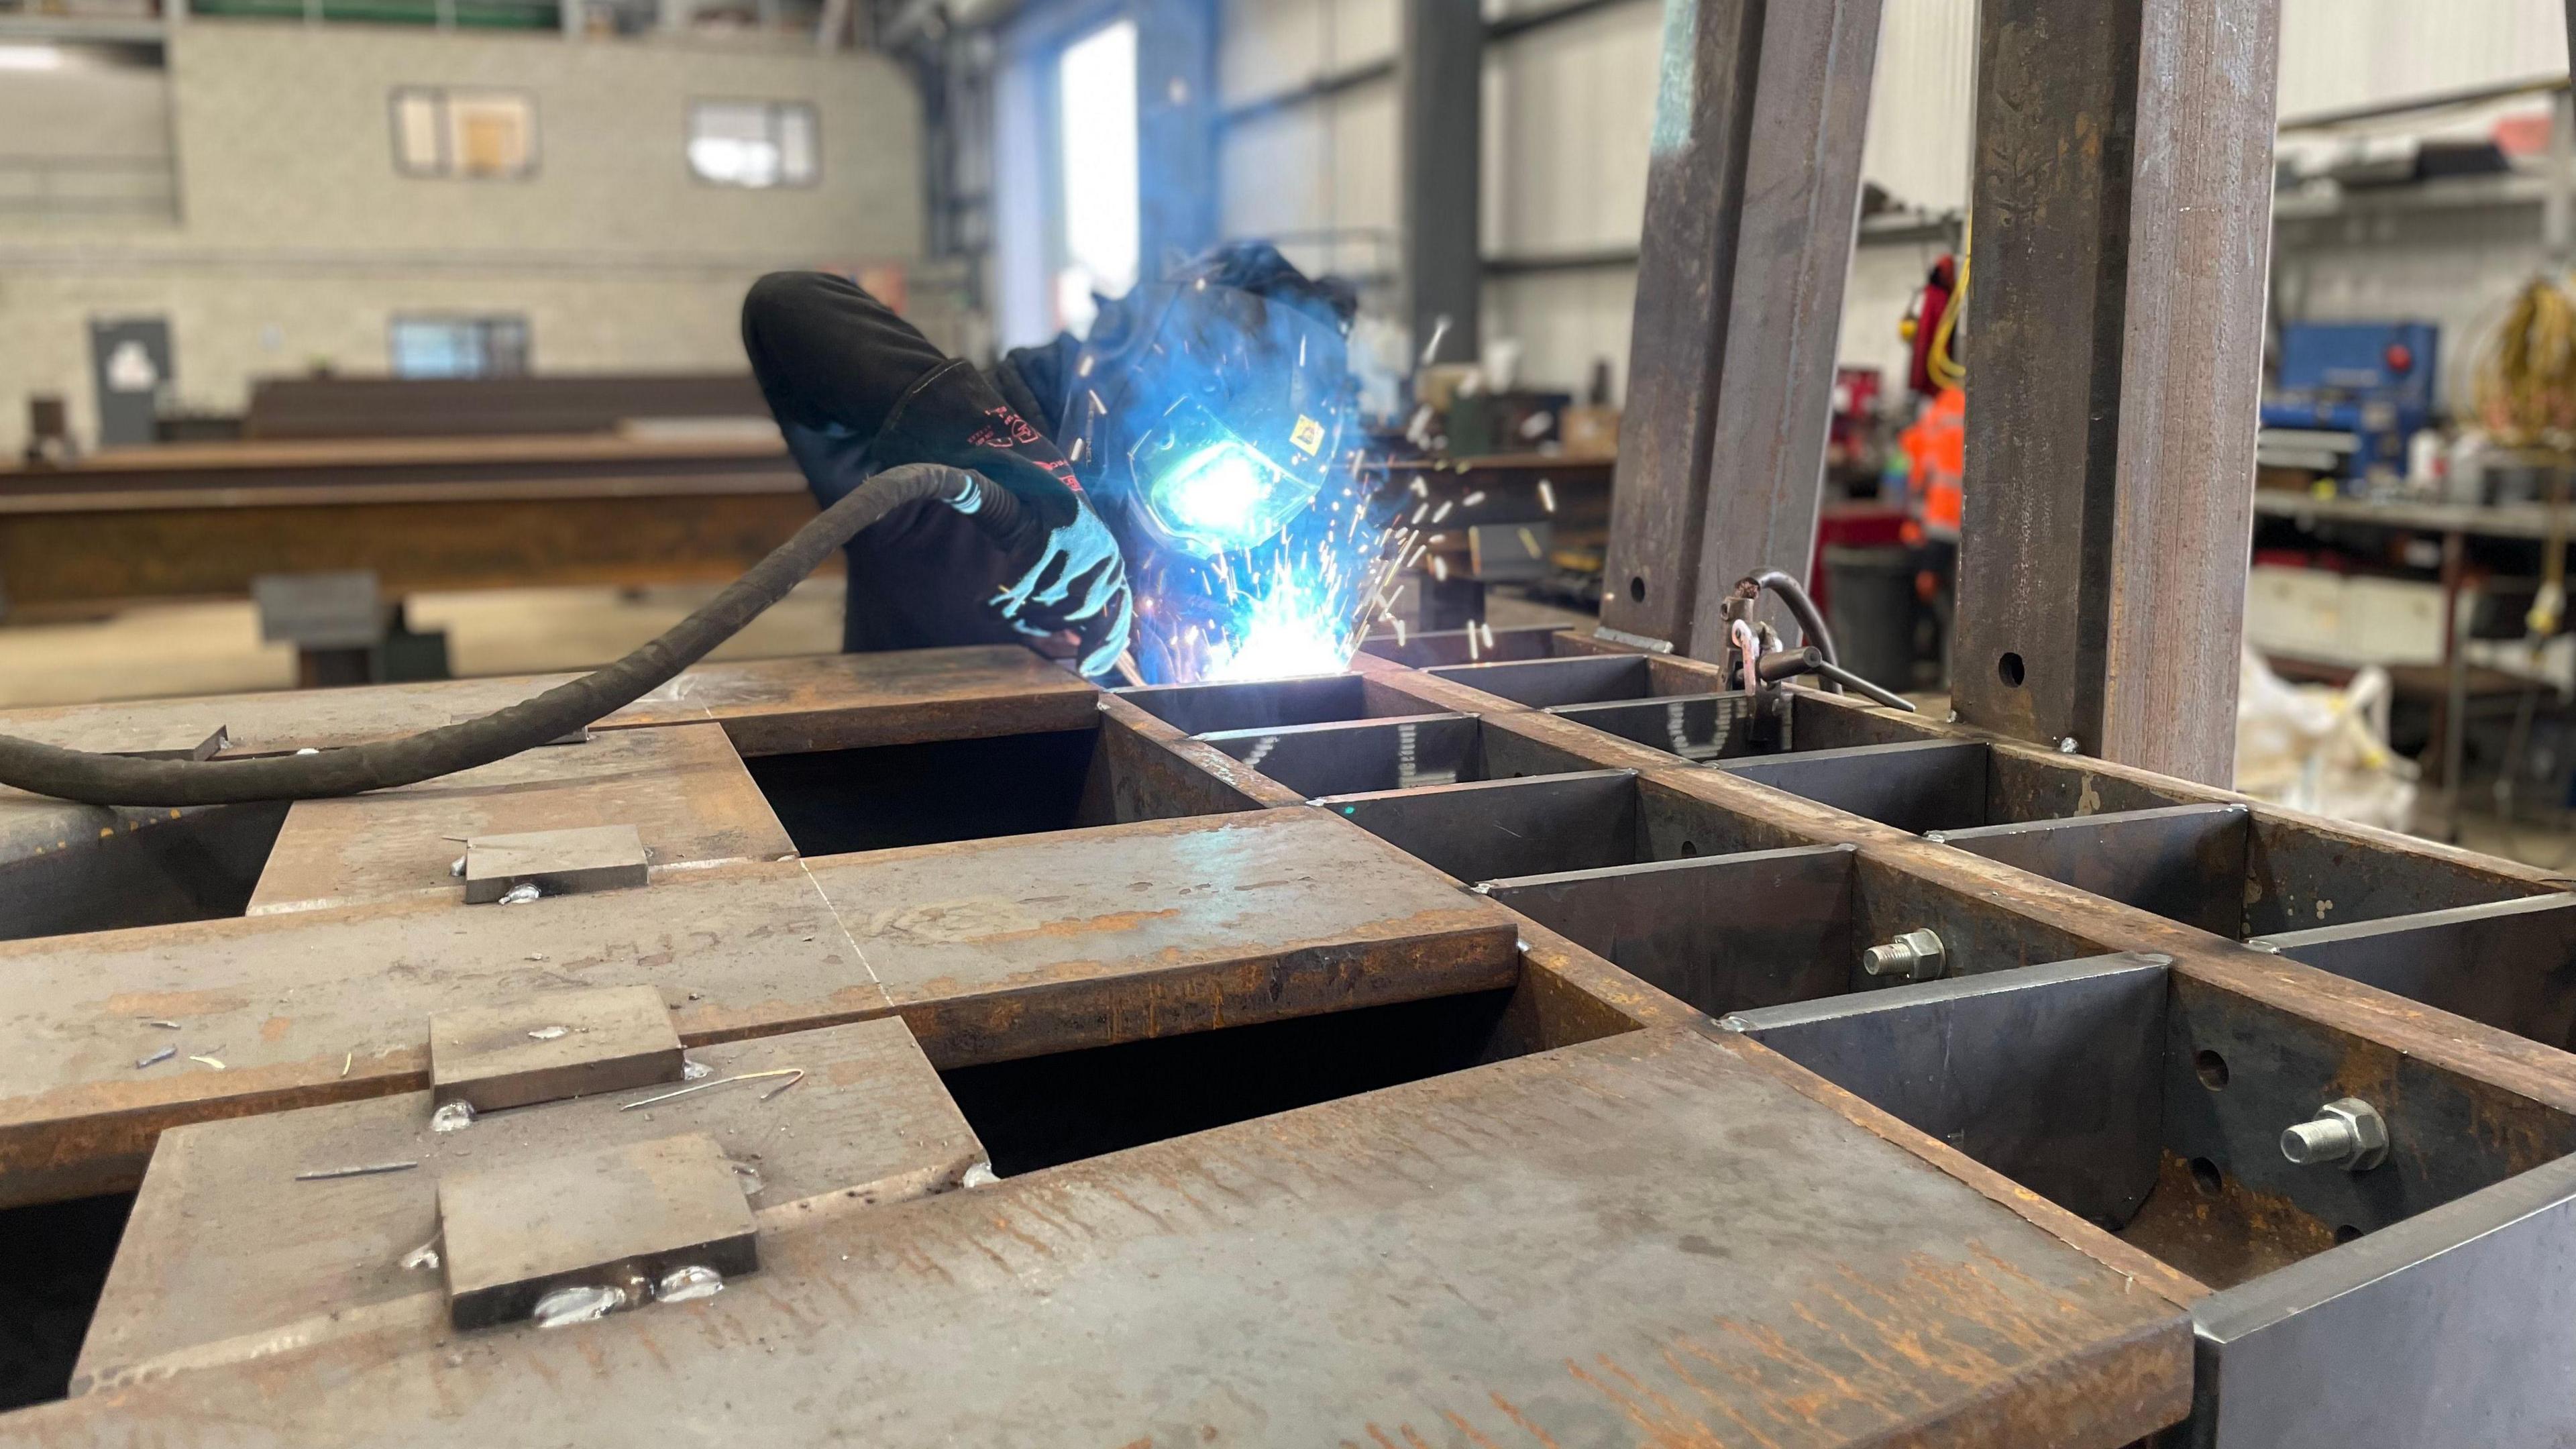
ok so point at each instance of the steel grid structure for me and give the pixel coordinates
(1446, 1052)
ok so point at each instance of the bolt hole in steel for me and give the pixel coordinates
(2212, 1068)
(2009, 670)
(2206, 1176)
(1690, 847)
(1637, 589)
(2346, 1233)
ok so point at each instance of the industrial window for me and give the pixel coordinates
(489, 134)
(460, 346)
(754, 143)
(1096, 171)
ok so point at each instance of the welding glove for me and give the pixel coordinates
(1079, 582)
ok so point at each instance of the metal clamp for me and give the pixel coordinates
(2348, 1132)
(1913, 956)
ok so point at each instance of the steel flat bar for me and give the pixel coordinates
(1422, 1264)
(2183, 861)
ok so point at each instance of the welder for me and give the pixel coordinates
(1098, 438)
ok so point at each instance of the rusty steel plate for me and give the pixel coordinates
(227, 1257)
(617, 1217)
(681, 787)
(1032, 944)
(815, 702)
(1645, 1239)
(552, 1044)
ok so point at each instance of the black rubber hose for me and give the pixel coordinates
(1794, 594)
(94, 779)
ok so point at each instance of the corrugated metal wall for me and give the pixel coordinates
(1567, 110)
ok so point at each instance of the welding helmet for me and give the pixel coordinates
(1213, 416)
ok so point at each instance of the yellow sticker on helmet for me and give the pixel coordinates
(1308, 435)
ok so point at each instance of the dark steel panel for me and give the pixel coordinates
(1463, 646)
(2303, 877)
(1440, 77)
(2051, 292)
(2051, 1075)
(2511, 964)
(2239, 1071)
(1793, 254)
(2186, 862)
(1353, 758)
(1696, 727)
(1202, 708)
(2445, 1330)
(1820, 723)
(2021, 786)
(1495, 829)
(2191, 376)
(1677, 349)
(1574, 679)
(1724, 933)
(1979, 932)
(1924, 785)
(2123, 183)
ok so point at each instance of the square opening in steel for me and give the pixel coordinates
(54, 1257)
(1199, 709)
(2156, 1106)
(1434, 647)
(153, 868)
(1038, 1112)
(1493, 829)
(1353, 757)
(1734, 932)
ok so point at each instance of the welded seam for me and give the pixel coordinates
(834, 912)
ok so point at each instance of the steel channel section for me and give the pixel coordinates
(2302, 878)
(1724, 933)
(2438, 1328)
(1355, 758)
(1920, 786)
(2051, 1075)
(1438, 647)
(2448, 1329)
(1203, 708)
(1493, 829)
(1697, 727)
(2186, 862)
(2510, 964)
(1575, 679)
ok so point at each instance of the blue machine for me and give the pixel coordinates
(2360, 388)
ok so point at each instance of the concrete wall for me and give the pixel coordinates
(295, 240)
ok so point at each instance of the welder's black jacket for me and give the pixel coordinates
(857, 389)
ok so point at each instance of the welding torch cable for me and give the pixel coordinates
(108, 779)
(1811, 620)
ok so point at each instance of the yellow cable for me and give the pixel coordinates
(1938, 363)
(2523, 390)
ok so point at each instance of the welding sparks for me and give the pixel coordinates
(1547, 495)
(1297, 603)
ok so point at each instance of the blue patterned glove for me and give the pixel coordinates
(1078, 582)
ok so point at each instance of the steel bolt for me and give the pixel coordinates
(2347, 1132)
(1912, 956)
(2066, 746)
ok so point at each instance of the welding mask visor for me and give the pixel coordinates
(1222, 416)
